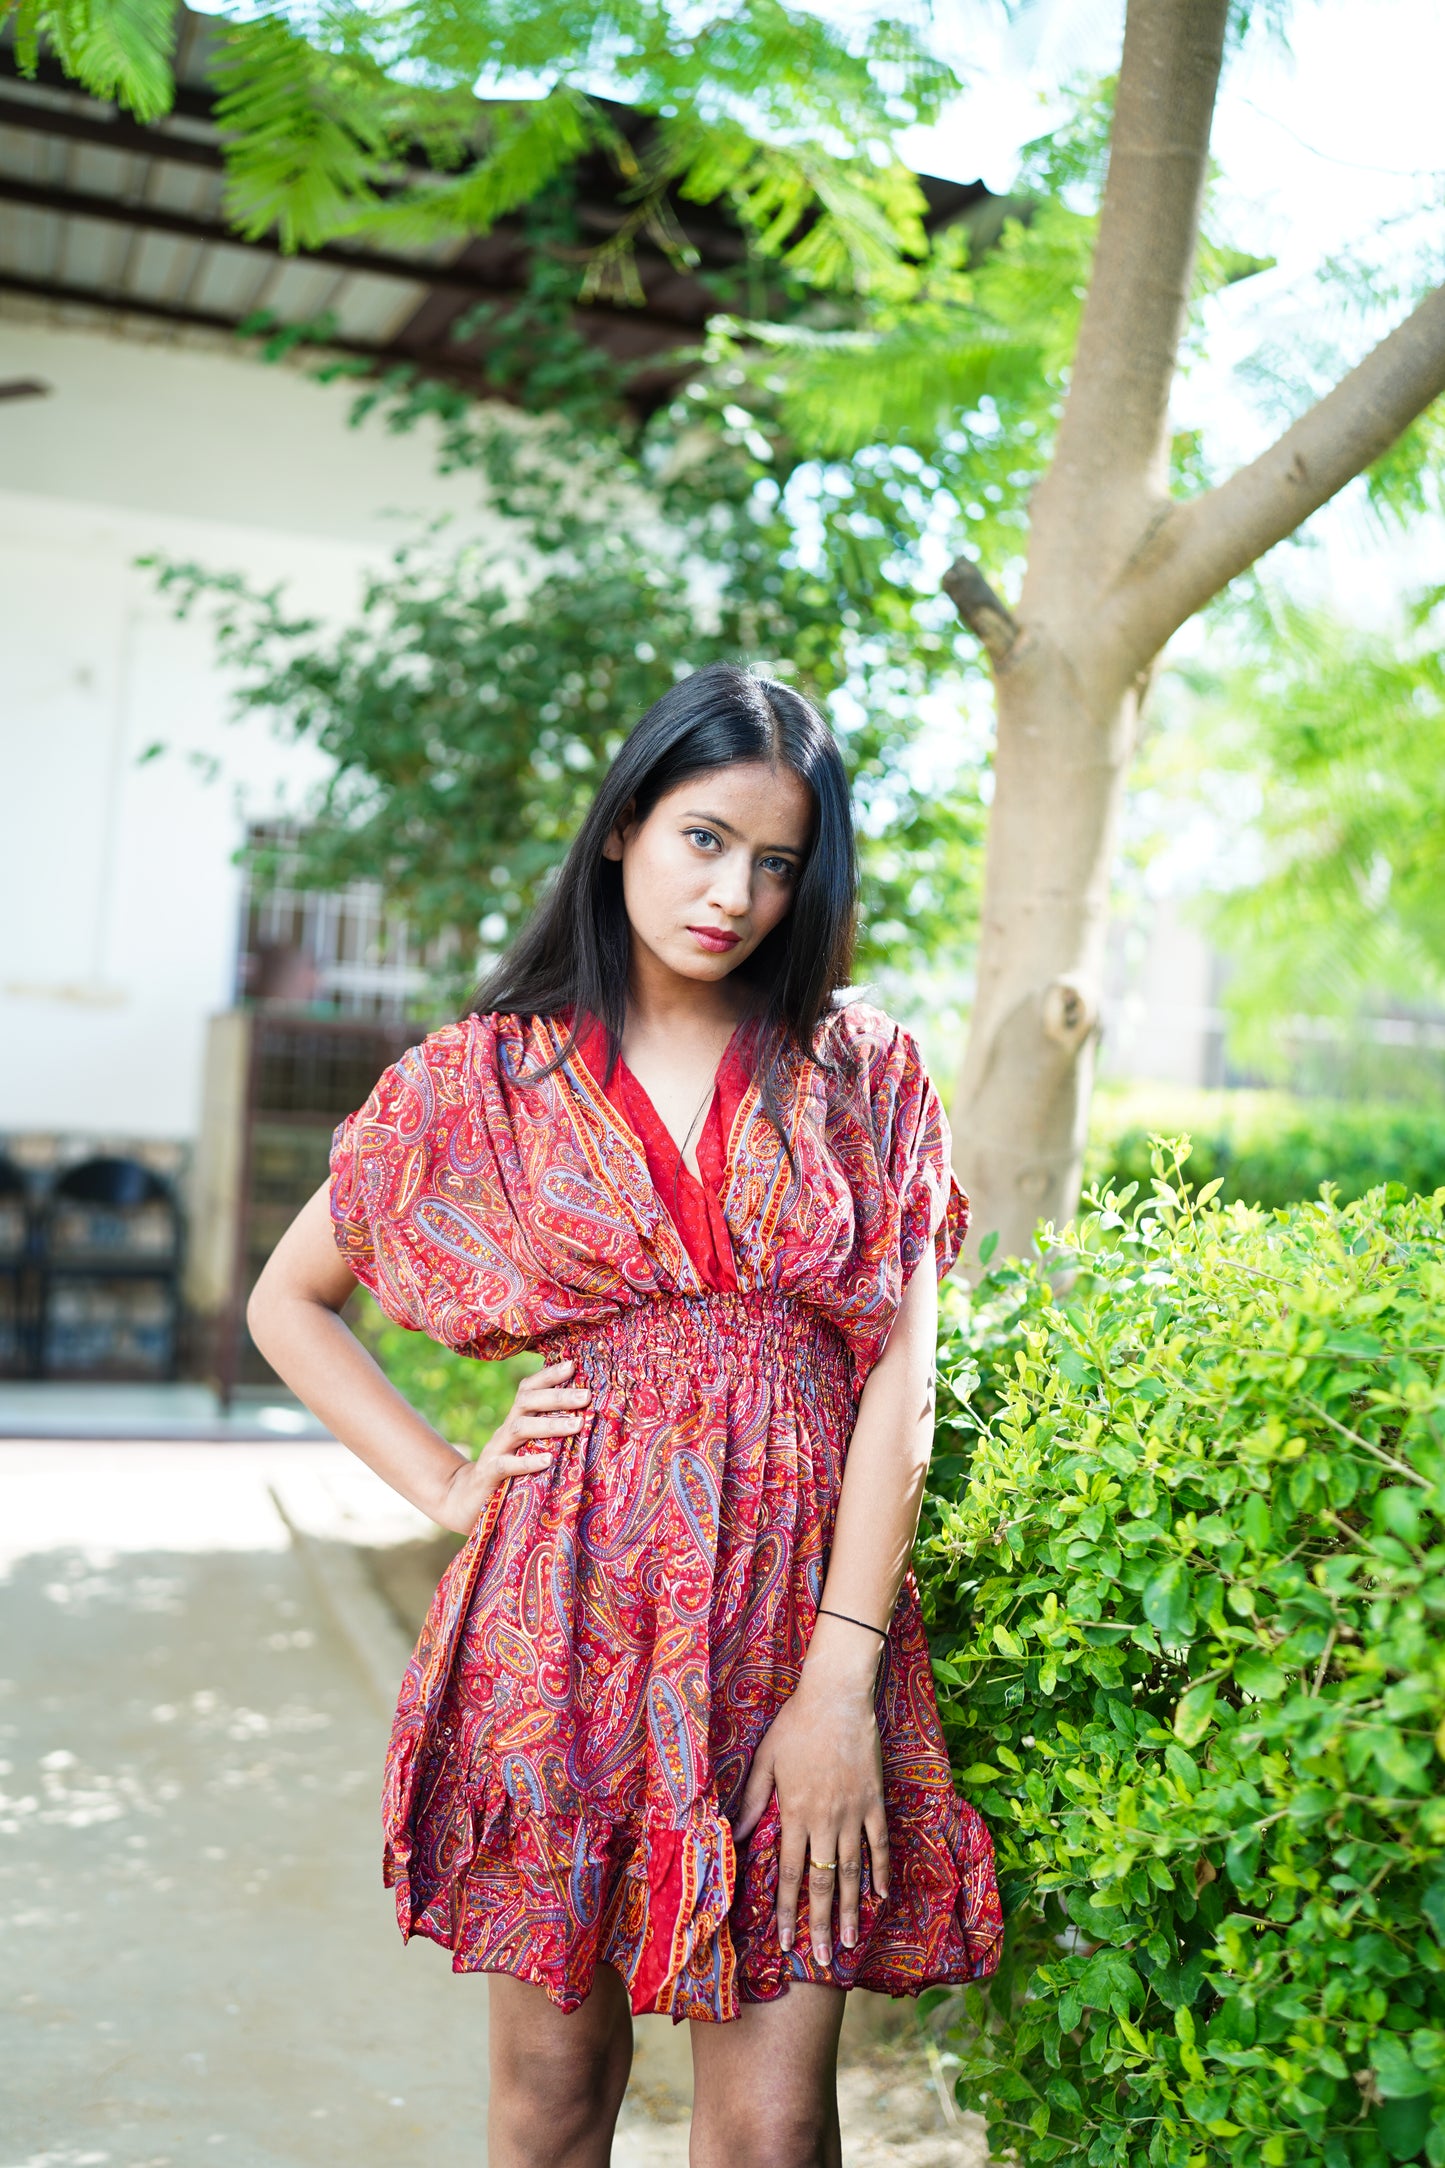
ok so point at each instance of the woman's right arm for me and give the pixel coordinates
(295, 1320)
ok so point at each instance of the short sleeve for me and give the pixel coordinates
(914, 1146)
(919, 1158)
(385, 1159)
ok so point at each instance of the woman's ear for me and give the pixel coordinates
(612, 848)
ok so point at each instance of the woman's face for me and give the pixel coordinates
(712, 869)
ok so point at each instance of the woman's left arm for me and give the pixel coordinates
(822, 1752)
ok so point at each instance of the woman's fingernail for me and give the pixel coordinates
(785, 1938)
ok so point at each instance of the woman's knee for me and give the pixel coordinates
(558, 2076)
(788, 2132)
(561, 2085)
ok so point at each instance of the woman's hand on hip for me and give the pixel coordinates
(546, 1406)
(822, 1756)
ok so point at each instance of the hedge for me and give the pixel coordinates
(1269, 1148)
(1185, 1577)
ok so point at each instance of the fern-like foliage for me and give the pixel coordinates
(342, 116)
(1003, 334)
(115, 49)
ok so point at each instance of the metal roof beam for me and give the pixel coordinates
(426, 272)
(214, 233)
(129, 137)
(111, 303)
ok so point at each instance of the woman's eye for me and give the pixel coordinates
(782, 867)
(705, 835)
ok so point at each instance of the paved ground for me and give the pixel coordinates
(198, 1962)
(187, 1413)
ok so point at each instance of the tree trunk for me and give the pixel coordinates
(1067, 676)
(1115, 566)
(1022, 1102)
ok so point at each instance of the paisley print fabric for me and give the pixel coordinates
(610, 1644)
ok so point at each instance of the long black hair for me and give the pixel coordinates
(574, 951)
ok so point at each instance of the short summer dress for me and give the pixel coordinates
(608, 1647)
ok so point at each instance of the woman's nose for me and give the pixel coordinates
(731, 888)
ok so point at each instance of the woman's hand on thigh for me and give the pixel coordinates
(822, 1756)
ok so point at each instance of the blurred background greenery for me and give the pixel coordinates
(465, 1400)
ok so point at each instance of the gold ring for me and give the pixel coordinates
(824, 1866)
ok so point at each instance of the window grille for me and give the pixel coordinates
(338, 952)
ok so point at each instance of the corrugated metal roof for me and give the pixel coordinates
(99, 212)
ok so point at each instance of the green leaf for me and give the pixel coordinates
(1194, 1713)
(1167, 1602)
(1257, 1526)
(1396, 2074)
(1259, 1676)
(1432, 1904)
(1241, 1858)
(118, 49)
(1109, 1982)
(1402, 2126)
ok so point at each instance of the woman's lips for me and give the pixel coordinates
(713, 938)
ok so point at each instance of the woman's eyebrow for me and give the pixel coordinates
(694, 813)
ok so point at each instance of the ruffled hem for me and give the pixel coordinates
(546, 1897)
(939, 1926)
(688, 1924)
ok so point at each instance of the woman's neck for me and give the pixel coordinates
(662, 1003)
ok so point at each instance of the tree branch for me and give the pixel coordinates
(1114, 427)
(1204, 544)
(980, 608)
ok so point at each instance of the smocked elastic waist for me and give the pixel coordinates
(679, 1344)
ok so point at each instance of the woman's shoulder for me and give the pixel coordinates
(860, 1029)
(446, 1068)
(874, 1073)
(469, 1039)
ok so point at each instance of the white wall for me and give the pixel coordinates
(118, 901)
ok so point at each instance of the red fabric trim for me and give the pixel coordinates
(695, 1207)
(669, 1908)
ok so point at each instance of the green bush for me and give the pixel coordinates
(1269, 1148)
(1185, 1574)
(464, 1399)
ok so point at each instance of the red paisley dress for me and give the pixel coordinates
(615, 1636)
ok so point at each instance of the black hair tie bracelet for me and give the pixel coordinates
(881, 1631)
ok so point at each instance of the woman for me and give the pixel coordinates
(668, 1741)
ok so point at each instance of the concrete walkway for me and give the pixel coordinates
(199, 1964)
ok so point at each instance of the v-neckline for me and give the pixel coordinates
(685, 1204)
(706, 1108)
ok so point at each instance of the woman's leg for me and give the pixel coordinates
(765, 2091)
(556, 2081)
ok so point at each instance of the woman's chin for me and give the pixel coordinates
(695, 962)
